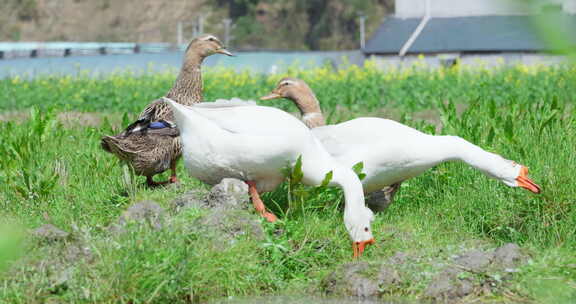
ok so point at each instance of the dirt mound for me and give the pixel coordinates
(472, 272)
(50, 233)
(227, 212)
(476, 272)
(230, 193)
(142, 212)
(364, 280)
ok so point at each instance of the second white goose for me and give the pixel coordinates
(390, 151)
(254, 144)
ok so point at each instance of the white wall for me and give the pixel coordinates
(486, 60)
(570, 6)
(454, 8)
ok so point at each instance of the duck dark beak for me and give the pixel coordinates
(225, 52)
(358, 247)
(270, 96)
(523, 181)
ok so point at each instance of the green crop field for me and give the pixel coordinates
(54, 171)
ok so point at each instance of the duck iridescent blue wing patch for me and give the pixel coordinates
(158, 125)
(162, 128)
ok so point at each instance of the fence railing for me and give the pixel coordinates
(10, 50)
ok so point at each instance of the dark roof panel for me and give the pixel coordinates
(391, 35)
(459, 34)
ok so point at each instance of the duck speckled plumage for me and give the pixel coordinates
(151, 148)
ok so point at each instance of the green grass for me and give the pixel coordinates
(54, 172)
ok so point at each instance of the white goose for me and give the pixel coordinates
(254, 143)
(390, 151)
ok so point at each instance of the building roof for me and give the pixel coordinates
(461, 34)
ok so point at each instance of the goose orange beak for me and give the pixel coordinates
(358, 247)
(523, 181)
(270, 96)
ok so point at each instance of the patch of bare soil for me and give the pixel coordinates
(14, 116)
(72, 119)
(469, 275)
(228, 215)
(69, 119)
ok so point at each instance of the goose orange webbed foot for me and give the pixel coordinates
(258, 204)
(269, 216)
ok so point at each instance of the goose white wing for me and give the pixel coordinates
(224, 103)
(252, 120)
(364, 131)
(348, 137)
(329, 138)
(364, 139)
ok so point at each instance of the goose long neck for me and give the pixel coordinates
(187, 89)
(456, 148)
(352, 188)
(309, 108)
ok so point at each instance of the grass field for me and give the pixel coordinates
(53, 171)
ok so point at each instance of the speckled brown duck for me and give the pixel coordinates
(151, 145)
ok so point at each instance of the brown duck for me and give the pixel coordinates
(151, 145)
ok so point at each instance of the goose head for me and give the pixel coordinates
(357, 223)
(289, 88)
(515, 175)
(206, 45)
(493, 165)
(302, 96)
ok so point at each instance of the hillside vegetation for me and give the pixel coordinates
(300, 24)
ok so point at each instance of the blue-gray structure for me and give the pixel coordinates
(472, 34)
